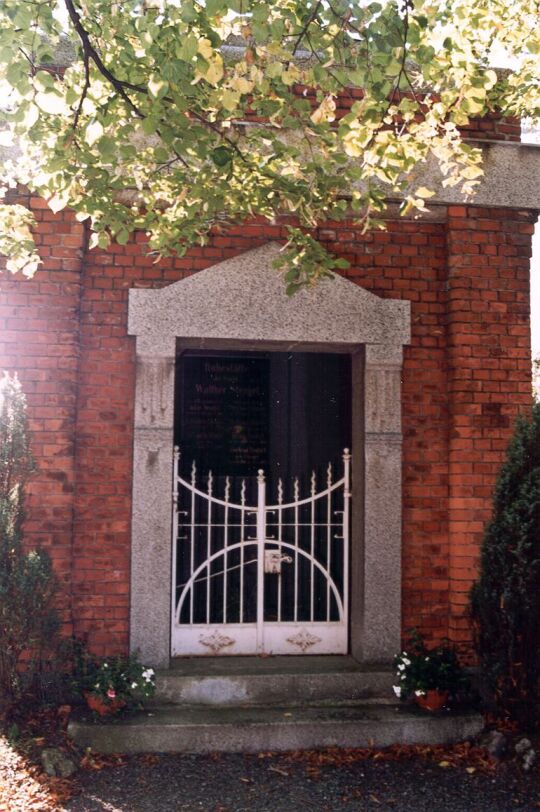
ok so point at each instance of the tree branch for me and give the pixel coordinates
(403, 73)
(309, 20)
(91, 53)
(121, 86)
(27, 57)
(84, 91)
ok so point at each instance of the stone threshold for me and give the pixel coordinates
(240, 681)
(255, 729)
(304, 664)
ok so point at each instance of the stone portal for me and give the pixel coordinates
(241, 305)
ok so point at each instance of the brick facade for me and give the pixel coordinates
(466, 376)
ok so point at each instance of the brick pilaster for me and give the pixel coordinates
(489, 374)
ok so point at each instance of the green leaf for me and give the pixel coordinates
(149, 125)
(107, 147)
(215, 7)
(43, 81)
(230, 99)
(221, 156)
(187, 49)
(342, 264)
(188, 13)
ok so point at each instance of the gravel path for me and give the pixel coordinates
(279, 783)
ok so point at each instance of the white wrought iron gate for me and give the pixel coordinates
(259, 578)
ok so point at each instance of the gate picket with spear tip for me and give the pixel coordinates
(259, 578)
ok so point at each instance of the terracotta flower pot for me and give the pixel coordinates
(433, 700)
(102, 707)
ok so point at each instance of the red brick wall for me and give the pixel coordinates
(408, 261)
(466, 374)
(489, 373)
(39, 339)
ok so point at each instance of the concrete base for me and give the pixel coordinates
(250, 730)
(293, 681)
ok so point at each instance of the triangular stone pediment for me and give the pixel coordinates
(243, 299)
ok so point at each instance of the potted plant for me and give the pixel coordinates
(429, 675)
(119, 682)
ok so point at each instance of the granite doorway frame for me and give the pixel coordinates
(240, 304)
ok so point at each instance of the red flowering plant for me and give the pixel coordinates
(122, 681)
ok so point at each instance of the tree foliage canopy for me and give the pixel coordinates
(175, 115)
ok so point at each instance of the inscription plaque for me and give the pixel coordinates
(224, 421)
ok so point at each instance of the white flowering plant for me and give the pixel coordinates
(420, 669)
(122, 679)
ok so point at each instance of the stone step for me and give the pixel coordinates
(255, 729)
(271, 681)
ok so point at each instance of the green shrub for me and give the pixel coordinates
(27, 620)
(505, 601)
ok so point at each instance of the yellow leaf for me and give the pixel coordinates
(444, 764)
(204, 47)
(351, 144)
(423, 192)
(215, 70)
(406, 207)
(290, 75)
(241, 84)
(325, 111)
(471, 172)
(472, 104)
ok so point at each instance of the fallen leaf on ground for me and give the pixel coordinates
(97, 761)
(24, 787)
(281, 772)
(149, 759)
(462, 755)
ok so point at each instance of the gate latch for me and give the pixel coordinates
(273, 560)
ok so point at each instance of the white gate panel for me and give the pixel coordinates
(253, 579)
